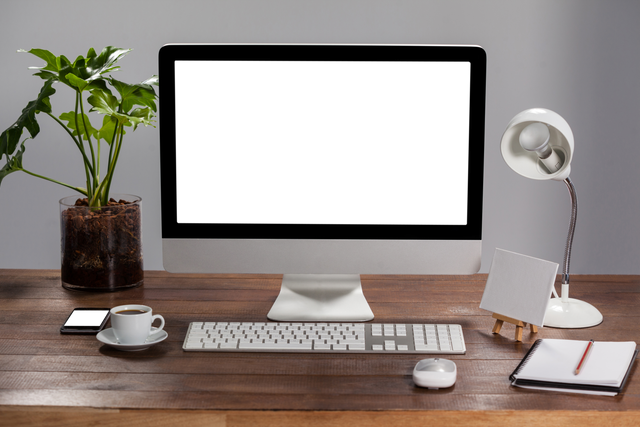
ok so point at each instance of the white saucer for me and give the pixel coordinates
(107, 336)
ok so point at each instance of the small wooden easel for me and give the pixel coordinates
(520, 325)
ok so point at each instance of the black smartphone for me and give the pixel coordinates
(86, 321)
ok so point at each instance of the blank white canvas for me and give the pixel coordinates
(519, 286)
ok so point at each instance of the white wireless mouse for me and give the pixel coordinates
(435, 373)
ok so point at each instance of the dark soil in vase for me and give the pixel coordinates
(102, 247)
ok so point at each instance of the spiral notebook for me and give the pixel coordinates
(550, 364)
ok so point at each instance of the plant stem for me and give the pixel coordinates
(87, 163)
(114, 152)
(115, 160)
(98, 163)
(84, 156)
(96, 166)
(79, 190)
(104, 195)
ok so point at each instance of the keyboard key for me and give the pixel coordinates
(444, 344)
(275, 346)
(229, 343)
(193, 345)
(457, 345)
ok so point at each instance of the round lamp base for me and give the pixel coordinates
(571, 314)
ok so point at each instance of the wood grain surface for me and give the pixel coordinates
(51, 379)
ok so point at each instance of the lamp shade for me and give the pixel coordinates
(527, 163)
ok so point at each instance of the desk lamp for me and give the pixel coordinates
(538, 144)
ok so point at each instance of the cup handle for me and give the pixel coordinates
(159, 328)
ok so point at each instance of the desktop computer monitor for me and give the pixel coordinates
(321, 163)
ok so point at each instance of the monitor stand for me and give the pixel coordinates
(321, 298)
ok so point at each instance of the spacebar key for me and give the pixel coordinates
(274, 346)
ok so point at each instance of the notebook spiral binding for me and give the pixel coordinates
(524, 360)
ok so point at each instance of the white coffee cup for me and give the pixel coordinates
(132, 323)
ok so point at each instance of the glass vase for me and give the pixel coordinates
(101, 248)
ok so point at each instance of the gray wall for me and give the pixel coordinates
(579, 58)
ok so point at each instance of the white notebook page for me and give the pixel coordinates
(556, 360)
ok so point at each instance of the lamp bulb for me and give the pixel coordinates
(535, 137)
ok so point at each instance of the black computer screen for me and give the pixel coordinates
(322, 141)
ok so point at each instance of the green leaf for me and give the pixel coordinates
(91, 68)
(77, 82)
(10, 138)
(47, 75)
(141, 94)
(49, 58)
(62, 63)
(64, 68)
(14, 164)
(96, 66)
(124, 89)
(108, 128)
(107, 104)
(70, 118)
(98, 84)
(79, 62)
(153, 80)
(141, 116)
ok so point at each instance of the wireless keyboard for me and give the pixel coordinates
(324, 337)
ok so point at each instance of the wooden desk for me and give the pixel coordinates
(52, 379)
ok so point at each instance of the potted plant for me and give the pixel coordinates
(101, 233)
